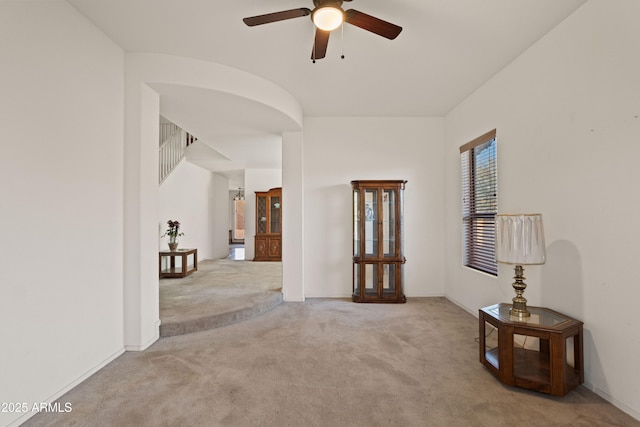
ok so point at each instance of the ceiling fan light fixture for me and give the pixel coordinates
(328, 18)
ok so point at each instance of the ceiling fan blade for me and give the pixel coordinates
(320, 44)
(373, 24)
(276, 16)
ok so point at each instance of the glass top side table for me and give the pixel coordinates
(539, 316)
(543, 352)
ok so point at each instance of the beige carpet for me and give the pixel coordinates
(323, 363)
(219, 293)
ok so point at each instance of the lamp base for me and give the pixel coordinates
(519, 313)
(519, 307)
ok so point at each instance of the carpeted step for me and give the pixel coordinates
(244, 304)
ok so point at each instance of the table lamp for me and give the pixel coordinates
(519, 241)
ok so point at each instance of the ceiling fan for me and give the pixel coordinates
(327, 16)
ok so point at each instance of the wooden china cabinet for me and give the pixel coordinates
(268, 239)
(378, 257)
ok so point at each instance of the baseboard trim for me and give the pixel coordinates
(286, 298)
(69, 386)
(474, 313)
(615, 402)
(147, 344)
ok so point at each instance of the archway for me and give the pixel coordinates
(146, 74)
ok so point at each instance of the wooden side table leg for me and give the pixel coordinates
(558, 367)
(184, 265)
(544, 346)
(481, 335)
(506, 360)
(195, 260)
(578, 349)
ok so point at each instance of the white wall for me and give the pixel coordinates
(256, 180)
(61, 169)
(339, 150)
(292, 216)
(199, 200)
(141, 282)
(568, 127)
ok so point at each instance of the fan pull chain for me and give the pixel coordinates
(342, 34)
(313, 60)
(313, 34)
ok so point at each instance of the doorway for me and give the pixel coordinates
(238, 222)
(236, 243)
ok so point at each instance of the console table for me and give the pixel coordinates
(543, 352)
(183, 269)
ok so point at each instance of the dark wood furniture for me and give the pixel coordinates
(268, 239)
(378, 257)
(183, 269)
(543, 352)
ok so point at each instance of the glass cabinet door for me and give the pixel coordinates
(388, 279)
(401, 220)
(379, 280)
(356, 223)
(388, 223)
(370, 280)
(371, 222)
(275, 215)
(262, 214)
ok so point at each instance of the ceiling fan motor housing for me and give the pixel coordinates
(324, 3)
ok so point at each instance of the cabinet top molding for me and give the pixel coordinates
(269, 190)
(378, 182)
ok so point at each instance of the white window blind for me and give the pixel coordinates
(479, 202)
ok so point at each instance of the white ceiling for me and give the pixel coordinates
(447, 49)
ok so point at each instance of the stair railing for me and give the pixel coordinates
(167, 130)
(173, 142)
(171, 153)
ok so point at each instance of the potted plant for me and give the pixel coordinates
(173, 231)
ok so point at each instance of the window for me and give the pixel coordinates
(479, 202)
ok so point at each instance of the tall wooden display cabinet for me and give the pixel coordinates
(268, 239)
(378, 254)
